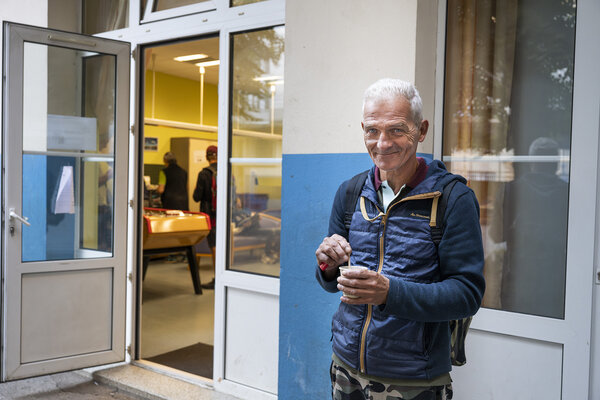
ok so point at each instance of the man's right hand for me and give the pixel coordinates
(333, 251)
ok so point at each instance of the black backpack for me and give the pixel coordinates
(458, 328)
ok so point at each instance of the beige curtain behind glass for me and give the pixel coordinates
(480, 52)
(104, 15)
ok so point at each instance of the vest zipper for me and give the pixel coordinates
(363, 335)
(428, 195)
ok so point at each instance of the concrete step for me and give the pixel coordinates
(73, 385)
(147, 384)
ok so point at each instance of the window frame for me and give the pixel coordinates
(147, 15)
(572, 332)
(245, 160)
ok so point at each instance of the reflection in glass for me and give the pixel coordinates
(68, 153)
(256, 121)
(257, 82)
(256, 218)
(104, 15)
(507, 129)
(160, 5)
(235, 3)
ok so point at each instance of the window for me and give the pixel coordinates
(256, 116)
(507, 130)
(156, 10)
(235, 3)
(160, 5)
(104, 15)
(68, 149)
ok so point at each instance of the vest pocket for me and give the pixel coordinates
(398, 338)
(346, 344)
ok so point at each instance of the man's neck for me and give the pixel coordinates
(397, 179)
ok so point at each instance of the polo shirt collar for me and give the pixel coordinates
(418, 177)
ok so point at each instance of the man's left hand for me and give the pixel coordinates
(370, 287)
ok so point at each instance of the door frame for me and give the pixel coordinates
(573, 332)
(223, 21)
(12, 368)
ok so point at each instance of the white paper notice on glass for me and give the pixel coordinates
(65, 198)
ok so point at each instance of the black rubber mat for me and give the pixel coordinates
(196, 359)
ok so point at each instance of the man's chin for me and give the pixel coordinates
(387, 166)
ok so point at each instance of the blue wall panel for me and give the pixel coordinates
(309, 185)
(60, 228)
(34, 200)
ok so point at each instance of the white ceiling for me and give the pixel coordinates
(161, 59)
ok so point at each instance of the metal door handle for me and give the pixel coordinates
(13, 215)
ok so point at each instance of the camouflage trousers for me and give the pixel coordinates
(345, 385)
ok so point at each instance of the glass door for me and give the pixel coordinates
(64, 187)
(249, 217)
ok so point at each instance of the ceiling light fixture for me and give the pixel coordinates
(208, 63)
(191, 57)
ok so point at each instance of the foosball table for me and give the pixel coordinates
(174, 231)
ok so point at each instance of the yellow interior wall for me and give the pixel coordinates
(91, 176)
(177, 99)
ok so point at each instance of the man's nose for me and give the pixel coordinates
(384, 140)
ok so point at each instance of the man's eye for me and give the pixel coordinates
(400, 132)
(371, 131)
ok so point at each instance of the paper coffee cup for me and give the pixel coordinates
(350, 268)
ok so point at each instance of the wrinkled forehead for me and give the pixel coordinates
(387, 107)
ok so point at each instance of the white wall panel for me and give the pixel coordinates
(252, 339)
(331, 56)
(507, 367)
(78, 300)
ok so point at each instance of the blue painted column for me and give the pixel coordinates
(310, 182)
(308, 188)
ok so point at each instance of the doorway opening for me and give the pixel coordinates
(176, 314)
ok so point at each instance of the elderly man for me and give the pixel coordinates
(391, 338)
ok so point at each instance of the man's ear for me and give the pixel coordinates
(423, 130)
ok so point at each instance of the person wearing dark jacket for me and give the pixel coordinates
(205, 192)
(172, 184)
(392, 337)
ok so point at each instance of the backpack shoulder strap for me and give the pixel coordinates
(352, 194)
(459, 327)
(438, 230)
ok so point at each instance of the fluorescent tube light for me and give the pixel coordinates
(208, 63)
(191, 57)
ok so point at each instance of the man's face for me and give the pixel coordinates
(391, 136)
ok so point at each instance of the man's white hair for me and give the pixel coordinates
(388, 88)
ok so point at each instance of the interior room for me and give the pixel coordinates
(180, 95)
(180, 117)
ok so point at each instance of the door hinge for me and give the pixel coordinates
(598, 276)
(132, 129)
(129, 350)
(130, 276)
(131, 203)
